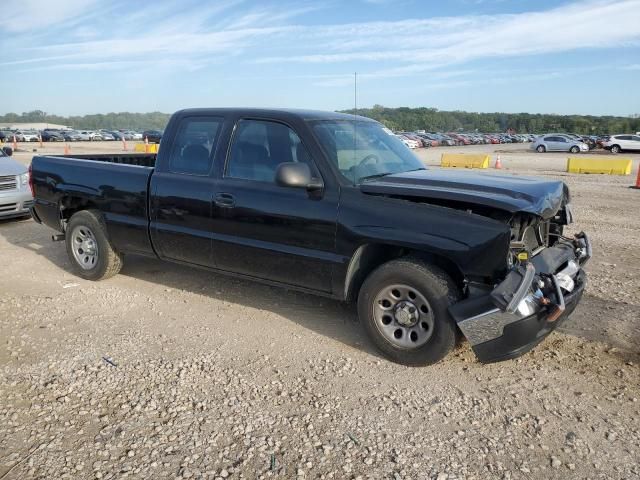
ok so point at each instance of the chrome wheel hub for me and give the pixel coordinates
(406, 314)
(84, 247)
(403, 316)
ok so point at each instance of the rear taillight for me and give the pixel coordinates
(33, 194)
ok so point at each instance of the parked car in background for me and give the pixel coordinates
(124, 134)
(90, 135)
(430, 139)
(408, 142)
(15, 193)
(619, 143)
(446, 139)
(6, 136)
(117, 135)
(460, 139)
(27, 136)
(51, 135)
(107, 135)
(72, 136)
(558, 143)
(86, 135)
(133, 135)
(422, 142)
(153, 136)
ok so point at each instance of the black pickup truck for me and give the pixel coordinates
(335, 205)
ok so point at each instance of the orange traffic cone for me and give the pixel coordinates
(498, 162)
(66, 149)
(146, 145)
(637, 185)
(124, 144)
(15, 143)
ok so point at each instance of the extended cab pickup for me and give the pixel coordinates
(335, 205)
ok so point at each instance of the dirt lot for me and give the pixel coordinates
(211, 377)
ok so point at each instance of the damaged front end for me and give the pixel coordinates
(544, 284)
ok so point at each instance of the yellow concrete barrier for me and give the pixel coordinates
(153, 147)
(610, 166)
(464, 160)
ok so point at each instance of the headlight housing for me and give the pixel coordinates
(24, 180)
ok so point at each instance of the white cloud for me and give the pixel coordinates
(27, 15)
(593, 24)
(198, 35)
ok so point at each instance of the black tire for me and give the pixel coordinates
(431, 283)
(615, 149)
(108, 262)
(541, 149)
(574, 149)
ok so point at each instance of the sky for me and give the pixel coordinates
(74, 57)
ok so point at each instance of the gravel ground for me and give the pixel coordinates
(169, 372)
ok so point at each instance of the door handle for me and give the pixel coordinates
(224, 200)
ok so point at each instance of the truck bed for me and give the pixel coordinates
(117, 185)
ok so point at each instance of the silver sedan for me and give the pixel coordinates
(558, 143)
(15, 193)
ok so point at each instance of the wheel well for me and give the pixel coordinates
(370, 256)
(71, 205)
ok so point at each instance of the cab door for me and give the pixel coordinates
(181, 189)
(265, 230)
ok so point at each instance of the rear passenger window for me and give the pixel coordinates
(194, 146)
(259, 146)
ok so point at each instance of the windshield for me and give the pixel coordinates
(363, 150)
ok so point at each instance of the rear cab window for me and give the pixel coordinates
(194, 145)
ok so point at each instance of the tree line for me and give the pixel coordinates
(434, 120)
(402, 118)
(108, 121)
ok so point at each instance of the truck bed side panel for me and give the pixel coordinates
(118, 191)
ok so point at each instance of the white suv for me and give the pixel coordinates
(617, 143)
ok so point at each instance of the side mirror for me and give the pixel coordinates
(296, 175)
(8, 151)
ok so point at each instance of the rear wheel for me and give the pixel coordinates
(615, 148)
(403, 306)
(574, 149)
(541, 149)
(90, 252)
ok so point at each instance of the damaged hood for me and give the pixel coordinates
(505, 192)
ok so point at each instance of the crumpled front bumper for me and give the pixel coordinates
(537, 305)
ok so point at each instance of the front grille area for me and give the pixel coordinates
(8, 182)
(8, 207)
(27, 204)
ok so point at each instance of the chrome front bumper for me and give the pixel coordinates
(536, 304)
(15, 204)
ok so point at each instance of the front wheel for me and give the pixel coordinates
(615, 149)
(403, 306)
(574, 149)
(541, 149)
(91, 254)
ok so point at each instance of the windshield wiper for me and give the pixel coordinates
(373, 177)
(380, 175)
